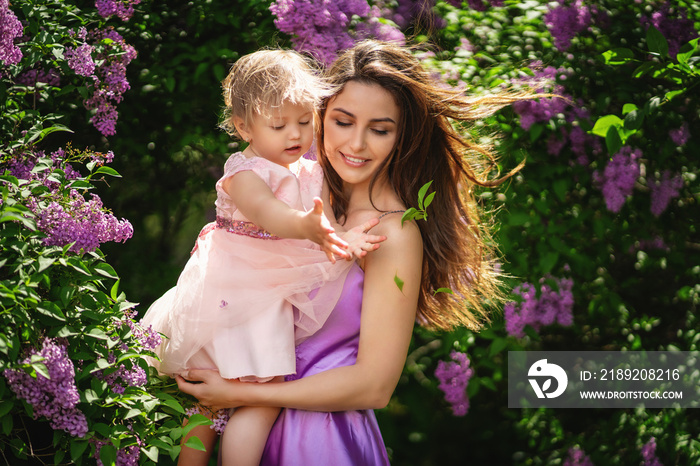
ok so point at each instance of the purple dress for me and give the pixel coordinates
(343, 438)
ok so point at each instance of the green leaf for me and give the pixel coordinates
(77, 448)
(195, 443)
(498, 345)
(45, 263)
(603, 124)
(421, 193)
(443, 290)
(634, 119)
(151, 453)
(114, 292)
(41, 368)
(613, 141)
(5, 407)
(657, 42)
(106, 270)
(399, 282)
(429, 199)
(108, 455)
(618, 56)
(194, 421)
(107, 171)
(410, 214)
(671, 94)
(687, 51)
(628, 108)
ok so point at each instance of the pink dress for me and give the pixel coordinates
(232, 307)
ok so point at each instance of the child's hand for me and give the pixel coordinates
(318, 229)
(360, 242)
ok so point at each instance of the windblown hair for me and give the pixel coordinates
(458, 251)
(262, 81)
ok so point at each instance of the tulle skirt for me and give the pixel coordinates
(231, 309)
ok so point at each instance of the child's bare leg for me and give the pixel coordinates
(245, 435)
(190, 456)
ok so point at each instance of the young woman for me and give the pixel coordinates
(386, 131)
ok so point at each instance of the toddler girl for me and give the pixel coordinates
(232, 308)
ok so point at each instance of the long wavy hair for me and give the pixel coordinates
(458, 251)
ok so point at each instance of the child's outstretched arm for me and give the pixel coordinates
(258, 203)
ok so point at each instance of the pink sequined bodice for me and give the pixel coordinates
(296, 186)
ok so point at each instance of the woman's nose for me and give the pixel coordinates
(357, 141)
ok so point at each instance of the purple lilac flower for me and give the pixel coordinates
(542, 110)
(617, 180)
(656, 242)
(454, 377)
(553, 305)
(33, 77)
(10, 29)
(121, 8)
(577, 457)
(127, 456)
(566, 20)
(55, 398)
(219, 418)
(322, 27)
(663, 190)
(673, 24)
(649, 454)
(80, 59)
(680, 136)
(86, 223)
(109, 81)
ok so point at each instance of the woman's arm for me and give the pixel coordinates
(254, 198)
(388, 315)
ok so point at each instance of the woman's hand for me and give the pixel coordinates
(212, 390)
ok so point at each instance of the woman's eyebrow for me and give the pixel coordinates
(373, 120)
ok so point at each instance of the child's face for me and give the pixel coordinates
(284, 136)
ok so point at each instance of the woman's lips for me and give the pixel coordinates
(354, 161)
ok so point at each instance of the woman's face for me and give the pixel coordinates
(360, 130)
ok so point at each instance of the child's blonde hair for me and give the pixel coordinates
(264, 80)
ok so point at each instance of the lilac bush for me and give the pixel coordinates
(72, 357)
(566, 20)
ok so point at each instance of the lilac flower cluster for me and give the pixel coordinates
(649, 454)
(109, 81)
(542, 110)
(148, 338)
(680, 136)
(121, 8)
(85, 223)
(127, 456)
(454, 377)
(663, 190)
(10, 29)
(580, 142)
(55, 398)
(656, 242)
(123, 377)
(33, 77)
(219, 418)
(617, 180)
(673, 24)
(80, 59)
(478, 5)
(554, 304)
(577, 457)
(323, 27)
(566, 20)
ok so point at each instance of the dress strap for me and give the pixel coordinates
(390, 212)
